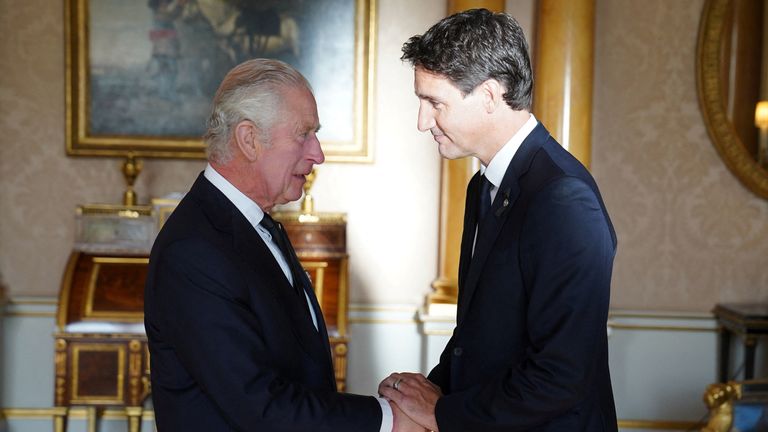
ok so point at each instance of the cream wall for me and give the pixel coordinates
(689, 234)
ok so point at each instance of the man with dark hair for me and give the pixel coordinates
(529, 351)
(236, 335)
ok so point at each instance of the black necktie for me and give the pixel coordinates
(484, 200)
(281, 239)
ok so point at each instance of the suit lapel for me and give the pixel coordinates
(306, 289)
(322, 331)
(256, 255)
(486, 235)
(490, 227)
(467, 236)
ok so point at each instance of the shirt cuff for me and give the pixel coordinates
(387, 420)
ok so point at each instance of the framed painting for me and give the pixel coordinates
(141, 74)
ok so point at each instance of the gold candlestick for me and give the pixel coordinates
(131, 170)
(308, 203)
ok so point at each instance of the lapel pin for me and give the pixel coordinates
(504, 204)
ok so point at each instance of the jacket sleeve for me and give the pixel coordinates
(566, 256)
(441, 373)
(199, 312)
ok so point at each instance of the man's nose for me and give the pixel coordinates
(315, 151)
(426, 119)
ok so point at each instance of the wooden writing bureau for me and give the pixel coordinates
(101, 357)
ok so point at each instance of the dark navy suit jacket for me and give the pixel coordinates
(232, 344)
(529, 352)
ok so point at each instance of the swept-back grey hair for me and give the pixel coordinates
(473, 46)
(250, 91)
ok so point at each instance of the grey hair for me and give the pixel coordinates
(250, 91)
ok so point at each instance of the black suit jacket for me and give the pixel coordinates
(529, 352)
(232, 344)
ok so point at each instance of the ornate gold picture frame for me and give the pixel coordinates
(140, 74)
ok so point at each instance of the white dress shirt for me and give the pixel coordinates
(254, 214)
(496, 169)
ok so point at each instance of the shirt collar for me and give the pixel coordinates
(247, 207)
(496, 169)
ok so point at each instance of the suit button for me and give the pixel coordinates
(458, 351)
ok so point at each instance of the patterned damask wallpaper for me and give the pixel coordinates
(690, 235)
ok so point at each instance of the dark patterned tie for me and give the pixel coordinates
(281, 239)
(484, 200)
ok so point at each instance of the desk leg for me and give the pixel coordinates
(725, 351)
(91, 415)
(750, 343)
(60, 419)
(134, 418)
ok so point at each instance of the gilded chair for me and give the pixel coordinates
(737, 406)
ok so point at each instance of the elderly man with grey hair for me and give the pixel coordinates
(236, 335)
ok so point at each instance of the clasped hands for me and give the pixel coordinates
(413, 398)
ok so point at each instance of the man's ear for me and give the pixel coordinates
(493, 94)
(247, 139)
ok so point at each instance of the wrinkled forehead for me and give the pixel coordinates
(298, 107)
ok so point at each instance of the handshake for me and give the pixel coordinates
(412, 398)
